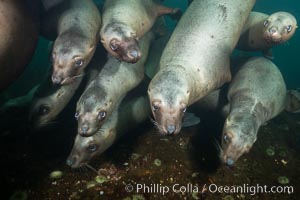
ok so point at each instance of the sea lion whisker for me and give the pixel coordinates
(91, 168)
(217, 145)
(78, 76)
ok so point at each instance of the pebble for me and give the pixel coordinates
(157, 162)
(56, 174)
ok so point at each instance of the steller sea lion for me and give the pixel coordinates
(18, 39)
(104, 94)
(196, 58)
(127, 116)
(256, 94)
(51, 99)
(125, 22)
(262, 31)
(76, 25)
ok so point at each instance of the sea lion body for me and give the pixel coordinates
(129, 115)
(262, 31)
(75, 24)
(125, 22)
(196, 58)
(105, 93)
(18, 39)
(256, 94)
(51, 99)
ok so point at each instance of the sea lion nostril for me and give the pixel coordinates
(69, 162)
(134, 54)
(84, 129)
(171, 129)
(229, 162)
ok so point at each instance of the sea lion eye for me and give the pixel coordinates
(77, 115)
(226, 138)
(78, 63)
(101, 115)
(43, 110)
(289, 28)
(155, 107)
(114, 44)
(266, 23)
(92, 148)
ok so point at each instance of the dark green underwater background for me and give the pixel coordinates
(287, 56)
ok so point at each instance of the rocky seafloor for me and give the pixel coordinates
(188, 162)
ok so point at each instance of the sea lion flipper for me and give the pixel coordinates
(293, 101)
(163, 10)
(190, 119)
(268, 53)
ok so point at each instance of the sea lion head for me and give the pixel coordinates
(71, 53)
(92, 111)
(168, 96)
(42, 113)
(122, 42)
(86, 148)
(279, 27)
(45, 107)
(239, 134)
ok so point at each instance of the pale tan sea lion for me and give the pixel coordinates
(262, 31)
(18, 39)
(125, 22)
(75, 24)
(129, 115)
(196, 58)
(256, 94)
(105, 93)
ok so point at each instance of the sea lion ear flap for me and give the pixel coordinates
(92, 47)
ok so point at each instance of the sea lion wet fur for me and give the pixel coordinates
(262, 31)
(125, 22)
(256, 94)
(196, 58)
(105, 93)
(18, 39)
(129, 115)
(74, 25)
(51, 99)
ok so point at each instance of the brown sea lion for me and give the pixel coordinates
(125, 22)
(51, 99)
(256, 94)
(18, 39)
(104, 94)
(262, 31)
(129, 115)
(196, 58)
(75, 24)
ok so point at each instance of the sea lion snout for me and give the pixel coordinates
(126, 49)
(171, 128)
(229, 161)
(84, 129)
(56, 79)
(273, 30)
